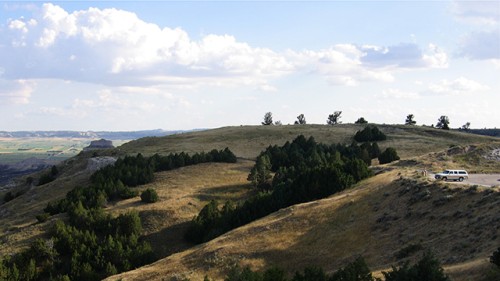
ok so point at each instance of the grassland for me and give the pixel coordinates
(375, 219)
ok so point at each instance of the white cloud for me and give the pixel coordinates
(116, 48)
(16, 92)
(456, 87)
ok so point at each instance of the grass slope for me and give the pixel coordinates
(183, 193)
(249, 141)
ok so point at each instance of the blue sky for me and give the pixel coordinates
(132, 65)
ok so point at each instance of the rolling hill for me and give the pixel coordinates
(375, 219)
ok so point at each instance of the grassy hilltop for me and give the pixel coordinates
(375, 219)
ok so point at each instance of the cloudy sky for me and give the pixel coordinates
(201, 64)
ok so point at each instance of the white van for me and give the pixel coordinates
(459, 175)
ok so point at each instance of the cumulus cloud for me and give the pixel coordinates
(106, 46)
(340, 64)
(458, 86)
(16, 92)
(116, 48)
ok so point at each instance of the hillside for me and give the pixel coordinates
(353, 214)
(249, 141)
(376, 219)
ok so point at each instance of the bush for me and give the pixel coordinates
(149, 196)
(42, 217)
(388, 156)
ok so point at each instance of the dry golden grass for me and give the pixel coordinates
(183, 192)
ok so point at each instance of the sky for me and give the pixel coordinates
(180, 65)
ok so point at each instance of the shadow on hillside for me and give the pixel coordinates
(169, 240)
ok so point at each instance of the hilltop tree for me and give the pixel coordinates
(334, 118)
(409, 120)
(465, 126)
(443, 123)
(278, 123)
(268, 119)
(301, 120)
(361, 120)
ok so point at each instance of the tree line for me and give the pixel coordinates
(92, 244)
(427, 268)
(334, 118)
(297, 172)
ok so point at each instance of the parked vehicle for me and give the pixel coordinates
(459, 175)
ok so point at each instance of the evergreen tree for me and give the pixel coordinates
(361, 120)
(388, 156)
(334, 118)
(268, 119)
(261, 172)
(301, 120)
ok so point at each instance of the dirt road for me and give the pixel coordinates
(484, 179)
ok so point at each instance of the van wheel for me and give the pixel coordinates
(460, 179)
(445, 178)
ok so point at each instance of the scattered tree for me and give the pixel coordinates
(443, 123)
(301, 120)
(268, 119)
(388, 156)
(278, 123)
(409, 120)
(361, 120)
(334, 118)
